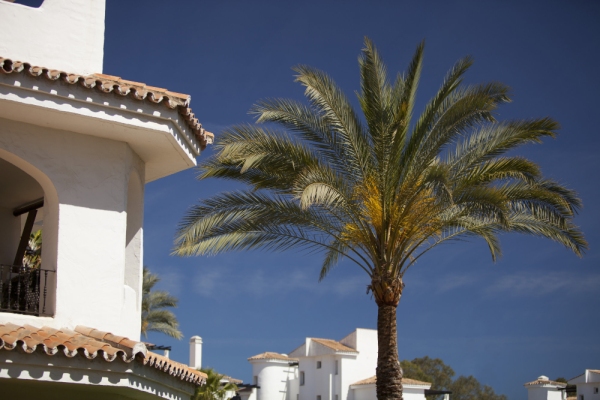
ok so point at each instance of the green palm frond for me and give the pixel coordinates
(215, 387)
(384, 190)
(154, 316)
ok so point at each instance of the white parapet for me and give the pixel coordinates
(62, 35)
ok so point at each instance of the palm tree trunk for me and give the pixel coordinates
(389, 372)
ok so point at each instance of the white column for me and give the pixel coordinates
(196, 352)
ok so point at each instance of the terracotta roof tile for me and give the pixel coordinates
(233, 380)
(332, 344)
(91, 343)
(122, 87)
(174, 368)
(543, 380)
(405, 381)
(271, 356)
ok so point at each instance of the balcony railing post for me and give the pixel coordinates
(9, 297)
(45, 291)
(2, 285)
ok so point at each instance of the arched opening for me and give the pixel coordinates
(25, 275)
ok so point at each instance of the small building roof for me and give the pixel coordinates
(545, 381)
(91, 343)
(334, 345)
(232, 380)
(405, 381)
(271, 356)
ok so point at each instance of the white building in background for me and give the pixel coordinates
(587, 385)
(76, 149)
(324, 369)
(545, 389)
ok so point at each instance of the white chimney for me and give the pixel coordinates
(196, 352)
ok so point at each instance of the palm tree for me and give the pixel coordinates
(33, 252)
(213, 389)
(154, 317)
(380, 191)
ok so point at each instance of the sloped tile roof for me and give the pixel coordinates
(91, 343)
(174, 368)
(542, 380)
(405, 381)
(271, 356)
(109, 83)
(332, 344)
(232, 380)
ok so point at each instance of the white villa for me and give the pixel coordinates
(587, 384)
(76, 149)
(324, 369)
(545, 389)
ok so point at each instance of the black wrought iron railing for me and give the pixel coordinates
(24, 289)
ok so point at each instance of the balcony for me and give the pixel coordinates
(24, 289)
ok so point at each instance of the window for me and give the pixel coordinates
(255, 380)
(319, 397)
(337, 369)
(336, 397)
(595, 390)
(301, 378)
(318, 364)
(580, 397)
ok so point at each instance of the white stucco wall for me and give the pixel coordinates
(587, 391)
(273, 377)
(363, 365)
(249, 394)
(365, 342)
(62, 35)
(369, 392)
(587, 385)
(134, 235)
(544, 392)
(85, 181)
(352, 367)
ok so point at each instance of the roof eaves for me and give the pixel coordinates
(91, 343)
(110, 83)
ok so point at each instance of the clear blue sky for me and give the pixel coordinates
(534, 312)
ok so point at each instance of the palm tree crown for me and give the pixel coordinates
(380, 190)
(154, 316)
(213, 388)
